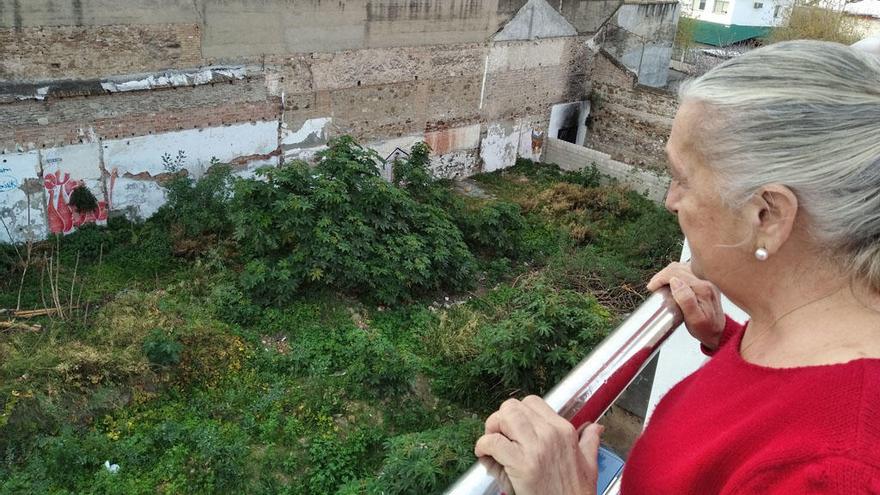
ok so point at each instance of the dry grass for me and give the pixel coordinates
(805, 21)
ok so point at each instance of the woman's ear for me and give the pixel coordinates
(776, 207)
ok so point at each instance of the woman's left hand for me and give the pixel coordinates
(536, 451)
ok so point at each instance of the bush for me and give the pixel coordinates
(342, 226)
(162, 349)
(196, 212)
(427, 461)
(806, 20)
(528, 338)
(496, 229)
(83, 200)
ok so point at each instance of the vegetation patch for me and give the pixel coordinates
(310, 330)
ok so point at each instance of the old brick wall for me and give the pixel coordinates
(372, 94)
(62, 121)
(628, 121)
(104, 97)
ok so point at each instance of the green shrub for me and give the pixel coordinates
(423, 462)
(527, 339)
(196, 212)
(83, 200)
(342, 226)
(231, 304)
(496, 228)
(161, 348)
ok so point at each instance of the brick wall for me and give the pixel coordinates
(373, 94)
(57, 122)
(628, 121)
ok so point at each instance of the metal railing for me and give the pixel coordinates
(596, 382)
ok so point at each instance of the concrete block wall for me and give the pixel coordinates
(574, 157)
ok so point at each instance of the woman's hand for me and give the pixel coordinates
(533, 450)
(699, 300)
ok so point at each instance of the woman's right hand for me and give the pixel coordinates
(699, 300)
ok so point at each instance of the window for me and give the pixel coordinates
(721, 6)
(776, 11)
(700, 4)
(759, 5)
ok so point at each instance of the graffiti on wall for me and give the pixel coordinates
(537, 142)
(7, 182)
(63, 217)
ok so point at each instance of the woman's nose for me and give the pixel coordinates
(671, 199)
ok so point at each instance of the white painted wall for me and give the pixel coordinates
(124, 173)
(739, 12)
(138, 160)
(226, 143)
(498, 148)
(745, 13)
(23, 213)
(707, 14)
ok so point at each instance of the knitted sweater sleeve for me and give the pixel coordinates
(827, 475)
(731, 327)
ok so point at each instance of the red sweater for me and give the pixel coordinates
(733, 427)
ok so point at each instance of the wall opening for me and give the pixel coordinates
(568, 122)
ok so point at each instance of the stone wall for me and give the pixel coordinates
(74, 52)
(230, 30)
(628, 121)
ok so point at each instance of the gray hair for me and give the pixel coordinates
(804, 114)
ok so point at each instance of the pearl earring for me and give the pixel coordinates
(761, 254)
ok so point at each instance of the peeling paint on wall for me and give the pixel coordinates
(498, 148)
(139, 160)
(143, 154)
(531, 142)
(21, 198)
(455, 165)
(311, 134)
(121, 84)
(456, 139)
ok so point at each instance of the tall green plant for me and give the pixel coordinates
(341, 225)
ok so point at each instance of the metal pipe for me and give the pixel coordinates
(596, 382)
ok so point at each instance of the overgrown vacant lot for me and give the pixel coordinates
(310, 331)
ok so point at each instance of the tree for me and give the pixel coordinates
(814, 20)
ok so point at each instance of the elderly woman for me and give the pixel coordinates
(775, 164)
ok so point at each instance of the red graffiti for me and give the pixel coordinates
(63, 217)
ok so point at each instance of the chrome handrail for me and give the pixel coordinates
(596, 382)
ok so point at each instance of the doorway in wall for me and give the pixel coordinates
(567, 121)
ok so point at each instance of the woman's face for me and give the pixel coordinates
(716, 233)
